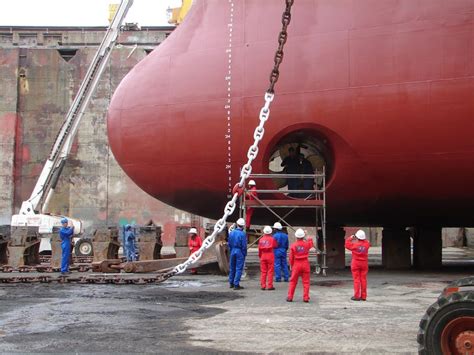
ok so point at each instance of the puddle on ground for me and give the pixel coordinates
(181, 284)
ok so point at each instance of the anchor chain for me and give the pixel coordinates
(252, 151)
(116, 279)
(282, 37)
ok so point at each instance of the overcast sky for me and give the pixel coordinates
(80, 12)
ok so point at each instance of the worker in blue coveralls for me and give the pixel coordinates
(238, 252)
(65, 233)
(281, 264)
(130, 243)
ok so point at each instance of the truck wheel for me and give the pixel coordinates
(448, 325)
(83, 248)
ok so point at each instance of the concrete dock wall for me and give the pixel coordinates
(8, 118)
(41, 71)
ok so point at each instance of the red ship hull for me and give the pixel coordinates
(384, 89)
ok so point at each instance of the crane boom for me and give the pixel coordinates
(32, 211)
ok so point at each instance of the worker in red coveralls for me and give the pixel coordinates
(266, 245)
(251, 195)
(359, 247)
(194, 243)
(299, 262)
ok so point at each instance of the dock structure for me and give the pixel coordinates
(42, 68)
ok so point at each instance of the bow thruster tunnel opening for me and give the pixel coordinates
(302, 151)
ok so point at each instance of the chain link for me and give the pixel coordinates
(252, 151)
(282, 37)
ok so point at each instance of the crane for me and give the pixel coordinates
(177, 14)
(33, 212)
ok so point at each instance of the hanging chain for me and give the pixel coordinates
(282, 37)
(252, 151)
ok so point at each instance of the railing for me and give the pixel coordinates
(315, 199)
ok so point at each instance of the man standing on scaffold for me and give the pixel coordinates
(251, 195)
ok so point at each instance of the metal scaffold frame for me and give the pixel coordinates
(315, 199)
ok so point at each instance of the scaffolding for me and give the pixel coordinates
(294, 199)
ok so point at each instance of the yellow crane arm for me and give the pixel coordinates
(179, 13)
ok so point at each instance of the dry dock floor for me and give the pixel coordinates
(201, 314)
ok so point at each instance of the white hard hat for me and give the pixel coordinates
(360, 234)
(267, 230)
(277, 225)
(241, 222)
(193, 231)
(299, 233)
(252, 183)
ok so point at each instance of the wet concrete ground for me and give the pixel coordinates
(201, 314)
(104, 318)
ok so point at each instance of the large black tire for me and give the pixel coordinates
(438, 316)
(83, 248)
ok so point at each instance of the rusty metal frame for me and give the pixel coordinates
(149, 242)
(23, 247)
(105, 244)
(4, 239)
